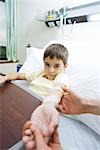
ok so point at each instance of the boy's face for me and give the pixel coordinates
(53, 67)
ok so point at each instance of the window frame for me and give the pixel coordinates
(3, 54)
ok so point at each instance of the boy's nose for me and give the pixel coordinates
(51, 69)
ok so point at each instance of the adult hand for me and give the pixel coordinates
(45, 117)
(28, 137)
(40, 144)
(71, 103)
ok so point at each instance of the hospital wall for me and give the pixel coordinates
(31, 31)
(34, 32)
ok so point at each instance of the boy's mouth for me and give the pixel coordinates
(51, 76)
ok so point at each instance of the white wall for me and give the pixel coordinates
(29, 30)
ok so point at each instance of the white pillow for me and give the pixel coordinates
(34, 60)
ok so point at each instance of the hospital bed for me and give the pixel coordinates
(76, 132)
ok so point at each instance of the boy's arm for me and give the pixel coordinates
(56, 92)
(14, 76)
(54, 96)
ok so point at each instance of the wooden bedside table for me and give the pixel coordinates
(16, 106)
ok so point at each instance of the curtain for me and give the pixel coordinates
(11, 30)
(2, 24)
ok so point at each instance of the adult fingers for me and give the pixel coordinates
(61, 109)
(30, 145)
(27, 125)
(28, 132)
(55, 137)
(39, 140)
(67, 90)
(25, 139)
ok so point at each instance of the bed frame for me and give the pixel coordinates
(16, 106)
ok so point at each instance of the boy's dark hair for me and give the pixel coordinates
(58, 51)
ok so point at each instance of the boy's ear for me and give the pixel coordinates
(66, 65)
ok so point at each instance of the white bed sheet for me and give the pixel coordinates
(84, 71)
(74, 135)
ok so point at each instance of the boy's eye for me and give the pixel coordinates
(46, 64)
(57, 66)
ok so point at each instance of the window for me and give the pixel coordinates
(2, 30)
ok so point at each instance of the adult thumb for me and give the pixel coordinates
(39, 140)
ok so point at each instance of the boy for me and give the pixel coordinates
(46, 83)
(55, 63)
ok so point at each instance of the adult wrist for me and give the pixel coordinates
(93, 107)
(85, 105)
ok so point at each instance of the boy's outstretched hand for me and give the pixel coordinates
(45, 117)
